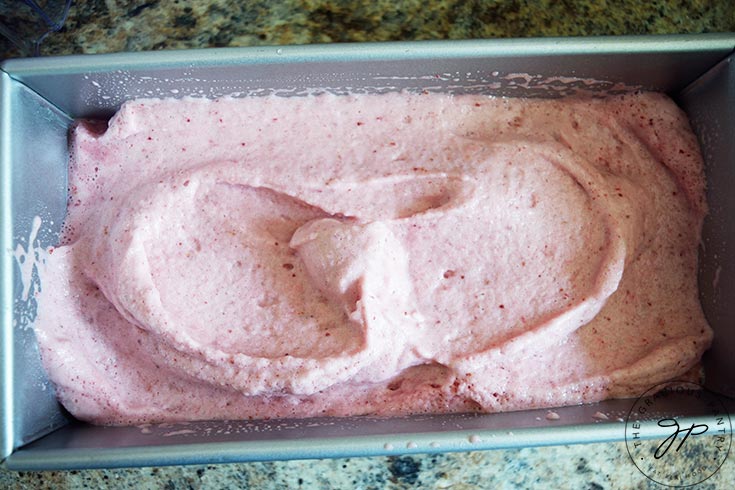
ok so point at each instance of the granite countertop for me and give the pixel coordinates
(98, 26)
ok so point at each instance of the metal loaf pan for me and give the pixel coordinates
(41, 97)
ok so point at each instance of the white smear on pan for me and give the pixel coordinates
(179, 432)
(27, 258)
(716, 280)
(552, 415)
(600, 416)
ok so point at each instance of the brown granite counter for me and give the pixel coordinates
(100, 26)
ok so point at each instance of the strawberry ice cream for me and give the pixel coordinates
(373, 254)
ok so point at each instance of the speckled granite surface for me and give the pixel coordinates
(584, 467)
(97, 26)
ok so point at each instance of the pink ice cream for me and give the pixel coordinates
(383, 254)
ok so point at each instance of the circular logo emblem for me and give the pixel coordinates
(678, 434)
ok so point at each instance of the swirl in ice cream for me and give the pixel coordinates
(381, 254)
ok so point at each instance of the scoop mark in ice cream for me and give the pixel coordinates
(271, 257)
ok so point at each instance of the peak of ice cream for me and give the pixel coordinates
(381, 254)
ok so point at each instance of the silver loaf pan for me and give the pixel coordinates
(41, 97)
